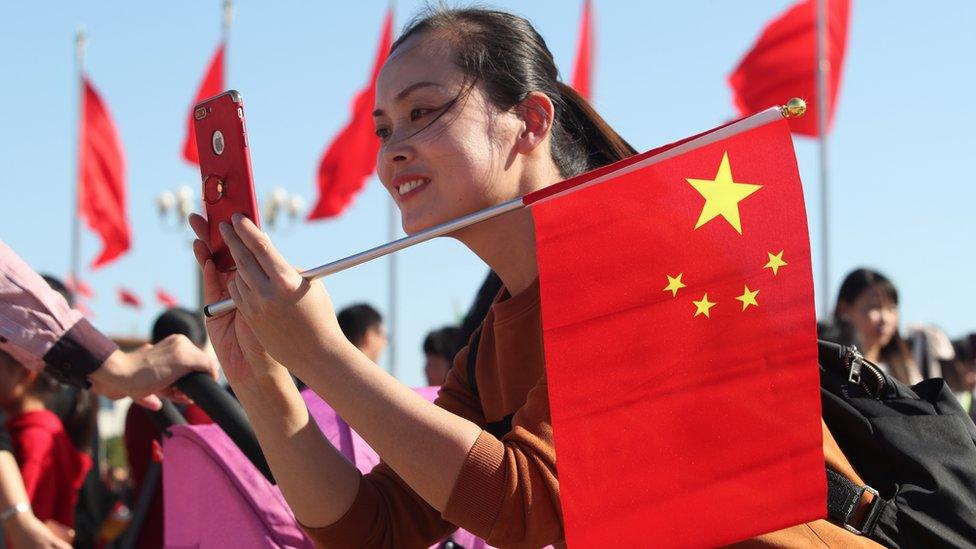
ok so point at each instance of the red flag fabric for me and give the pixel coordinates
(584, 52)
(82, 289)
(680, 342)
(128, 297)
(101, 177)
(212, 84)
(166, 299)
(783, 64)
(351, 157)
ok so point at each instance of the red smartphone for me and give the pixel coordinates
(225, 167)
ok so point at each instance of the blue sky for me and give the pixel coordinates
(902, 190)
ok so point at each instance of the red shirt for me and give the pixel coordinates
(53, 469)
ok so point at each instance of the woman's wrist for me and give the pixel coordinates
(22, 509)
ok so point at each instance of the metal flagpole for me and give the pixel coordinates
(823, 106)
(795, 107)
(81, 41)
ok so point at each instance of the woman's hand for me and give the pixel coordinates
(291, 318)
(235, 344)
(26, 531)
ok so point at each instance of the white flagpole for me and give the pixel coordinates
(795, 107)
(823, 106)
(81, 41)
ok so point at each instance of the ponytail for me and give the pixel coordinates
(596, 142)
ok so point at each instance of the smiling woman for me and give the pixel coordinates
(470, 113)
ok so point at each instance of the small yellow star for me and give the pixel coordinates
(674, 284)
(748, 298)
(702, 307)
(775, 262)
(722, 195)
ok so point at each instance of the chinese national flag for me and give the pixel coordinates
(783, 63)
(351, 157)
(680, 341)
(129, 298)
(101, 177)
(582, 68)
(212, 84)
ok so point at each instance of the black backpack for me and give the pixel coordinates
(915, 447)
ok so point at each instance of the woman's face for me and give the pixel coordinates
(874, 315)
(440, 158)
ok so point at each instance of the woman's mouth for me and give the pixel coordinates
(411, 187)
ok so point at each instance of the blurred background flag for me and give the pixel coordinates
(129, 298)
(211, 85)
(351, 157)
(101, 176)
(166, 299)
(583, 66)
(783, 63)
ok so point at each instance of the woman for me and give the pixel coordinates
(470, 114)
(867, 315)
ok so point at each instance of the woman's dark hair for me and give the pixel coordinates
(442, 342)
(895, 353)
(510, 59)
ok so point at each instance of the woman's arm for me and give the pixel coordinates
(318, 482)
(426, 445)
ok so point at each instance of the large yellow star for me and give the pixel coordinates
(704, 306)
(775, 262)
(674, 284)
(722, 195)
(748, 298)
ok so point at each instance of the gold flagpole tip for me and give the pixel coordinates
(793, 108)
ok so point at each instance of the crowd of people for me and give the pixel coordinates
(467, 95)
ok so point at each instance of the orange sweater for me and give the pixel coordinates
(507, 491)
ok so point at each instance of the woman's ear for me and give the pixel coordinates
(537, 113)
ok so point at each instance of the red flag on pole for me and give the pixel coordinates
(212, 84)
(129, 298)
(351, 157)
(584, 53)
(166, 299)
(783, 63)
(702, 419)
(101, 177)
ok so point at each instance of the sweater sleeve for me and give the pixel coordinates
(39, 329)
(506, 492)
(386, 511)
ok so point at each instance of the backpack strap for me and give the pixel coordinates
(843, 497)
(498, 428)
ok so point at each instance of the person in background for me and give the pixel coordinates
(363, 327)
(960, 374)
(39, 330)
(867, 316)
(439, 350)
(51, 466)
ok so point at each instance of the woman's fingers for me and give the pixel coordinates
(201, 251)
(200, 226)
(260, 245)
(248, 267)
(214, 288)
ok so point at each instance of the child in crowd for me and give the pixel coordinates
(52, 467)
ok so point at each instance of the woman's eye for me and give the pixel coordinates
(417, 114)
(382, 133)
